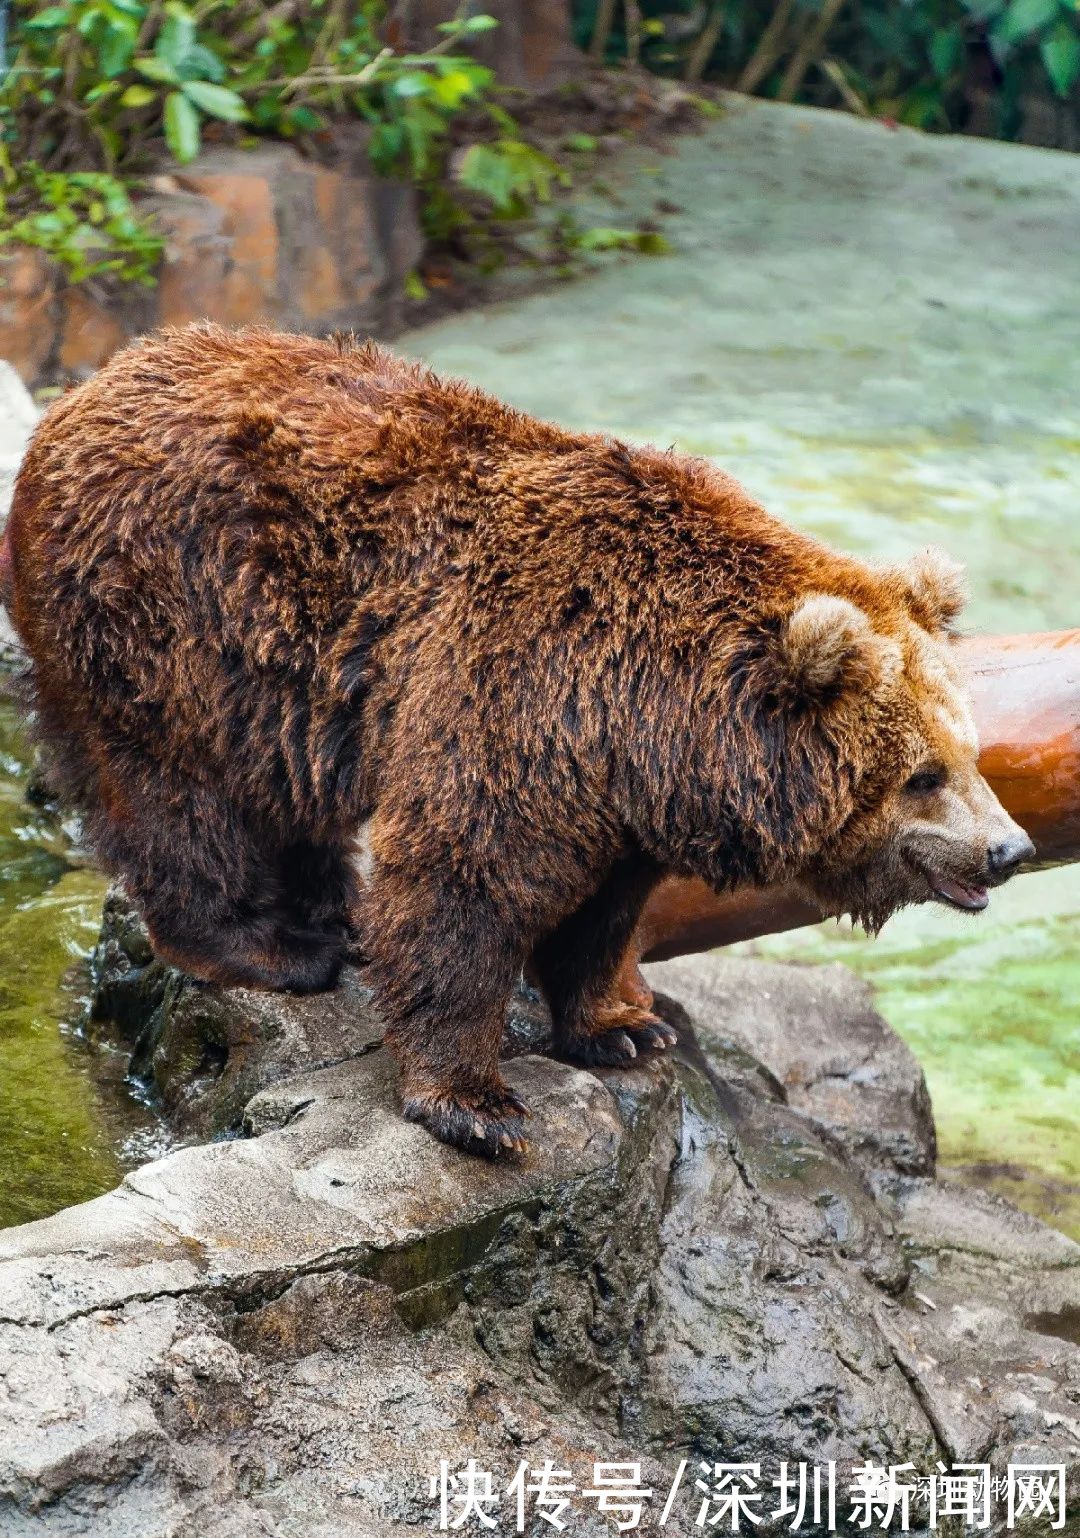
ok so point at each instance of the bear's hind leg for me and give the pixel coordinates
(237, 949)
(578, 963)
(211, 892)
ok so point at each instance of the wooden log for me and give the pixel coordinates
(1025, 691)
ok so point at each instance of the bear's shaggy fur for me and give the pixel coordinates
(273, 587)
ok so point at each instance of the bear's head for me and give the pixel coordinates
(918, 820)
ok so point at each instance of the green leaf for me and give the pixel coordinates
(138, 96)
(582, 144)
(50, 224)
(984, 10)
(181, 127)
(452, 88)
(506, 173)
(1027, 16)
(386, 145)
(413, 83)
(216, 100)
(422, 128)
(51, 16)
(603, 238)
(706, 108)
(116, 48)
(470, 26)
(946, 50)
(90, 21)
(1061, 56)
(202, 64)
(98, 93)
(484, 170)
(304, 120)
(158, 70)
(177, 36)
(652, 243)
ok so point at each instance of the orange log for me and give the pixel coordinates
(1025, 691)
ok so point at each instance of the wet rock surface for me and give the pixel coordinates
(737, 1255)
(817, 1031)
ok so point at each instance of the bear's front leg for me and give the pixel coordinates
(443, 970)
(578, 963)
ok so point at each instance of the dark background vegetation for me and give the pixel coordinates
(935, 64)
(94, 92)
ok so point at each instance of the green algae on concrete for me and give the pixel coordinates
(879, 333)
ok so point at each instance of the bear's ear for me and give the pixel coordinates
(936, 588)
(829, 646)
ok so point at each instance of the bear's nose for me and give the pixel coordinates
(1011, 852)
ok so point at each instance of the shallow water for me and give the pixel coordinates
(68, 1126)
(879, 333)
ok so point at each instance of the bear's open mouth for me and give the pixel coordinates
(972, 899)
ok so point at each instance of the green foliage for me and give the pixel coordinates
(570, 239)
(924, 59)
(84, 219)
(106, 77)
(601, 238)
(509, 174)
(104, 83)
(923, 62)
(1060, 49)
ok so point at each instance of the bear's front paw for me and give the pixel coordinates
(615, 1036)
(490, 1123)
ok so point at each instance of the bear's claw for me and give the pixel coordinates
(637, 1033)
(491, 1125)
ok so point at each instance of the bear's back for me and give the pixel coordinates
(241, 487)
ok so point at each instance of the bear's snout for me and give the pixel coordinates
(1005, 858)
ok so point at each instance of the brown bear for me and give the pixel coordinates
(273, 587)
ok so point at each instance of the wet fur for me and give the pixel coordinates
(272, 587)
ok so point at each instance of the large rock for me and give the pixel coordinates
(287, 1330)
(259, 235)
(29, 289)
(203, 1052)
(815, 1029)
(265, 235)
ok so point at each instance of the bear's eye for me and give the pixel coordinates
(925, 781)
